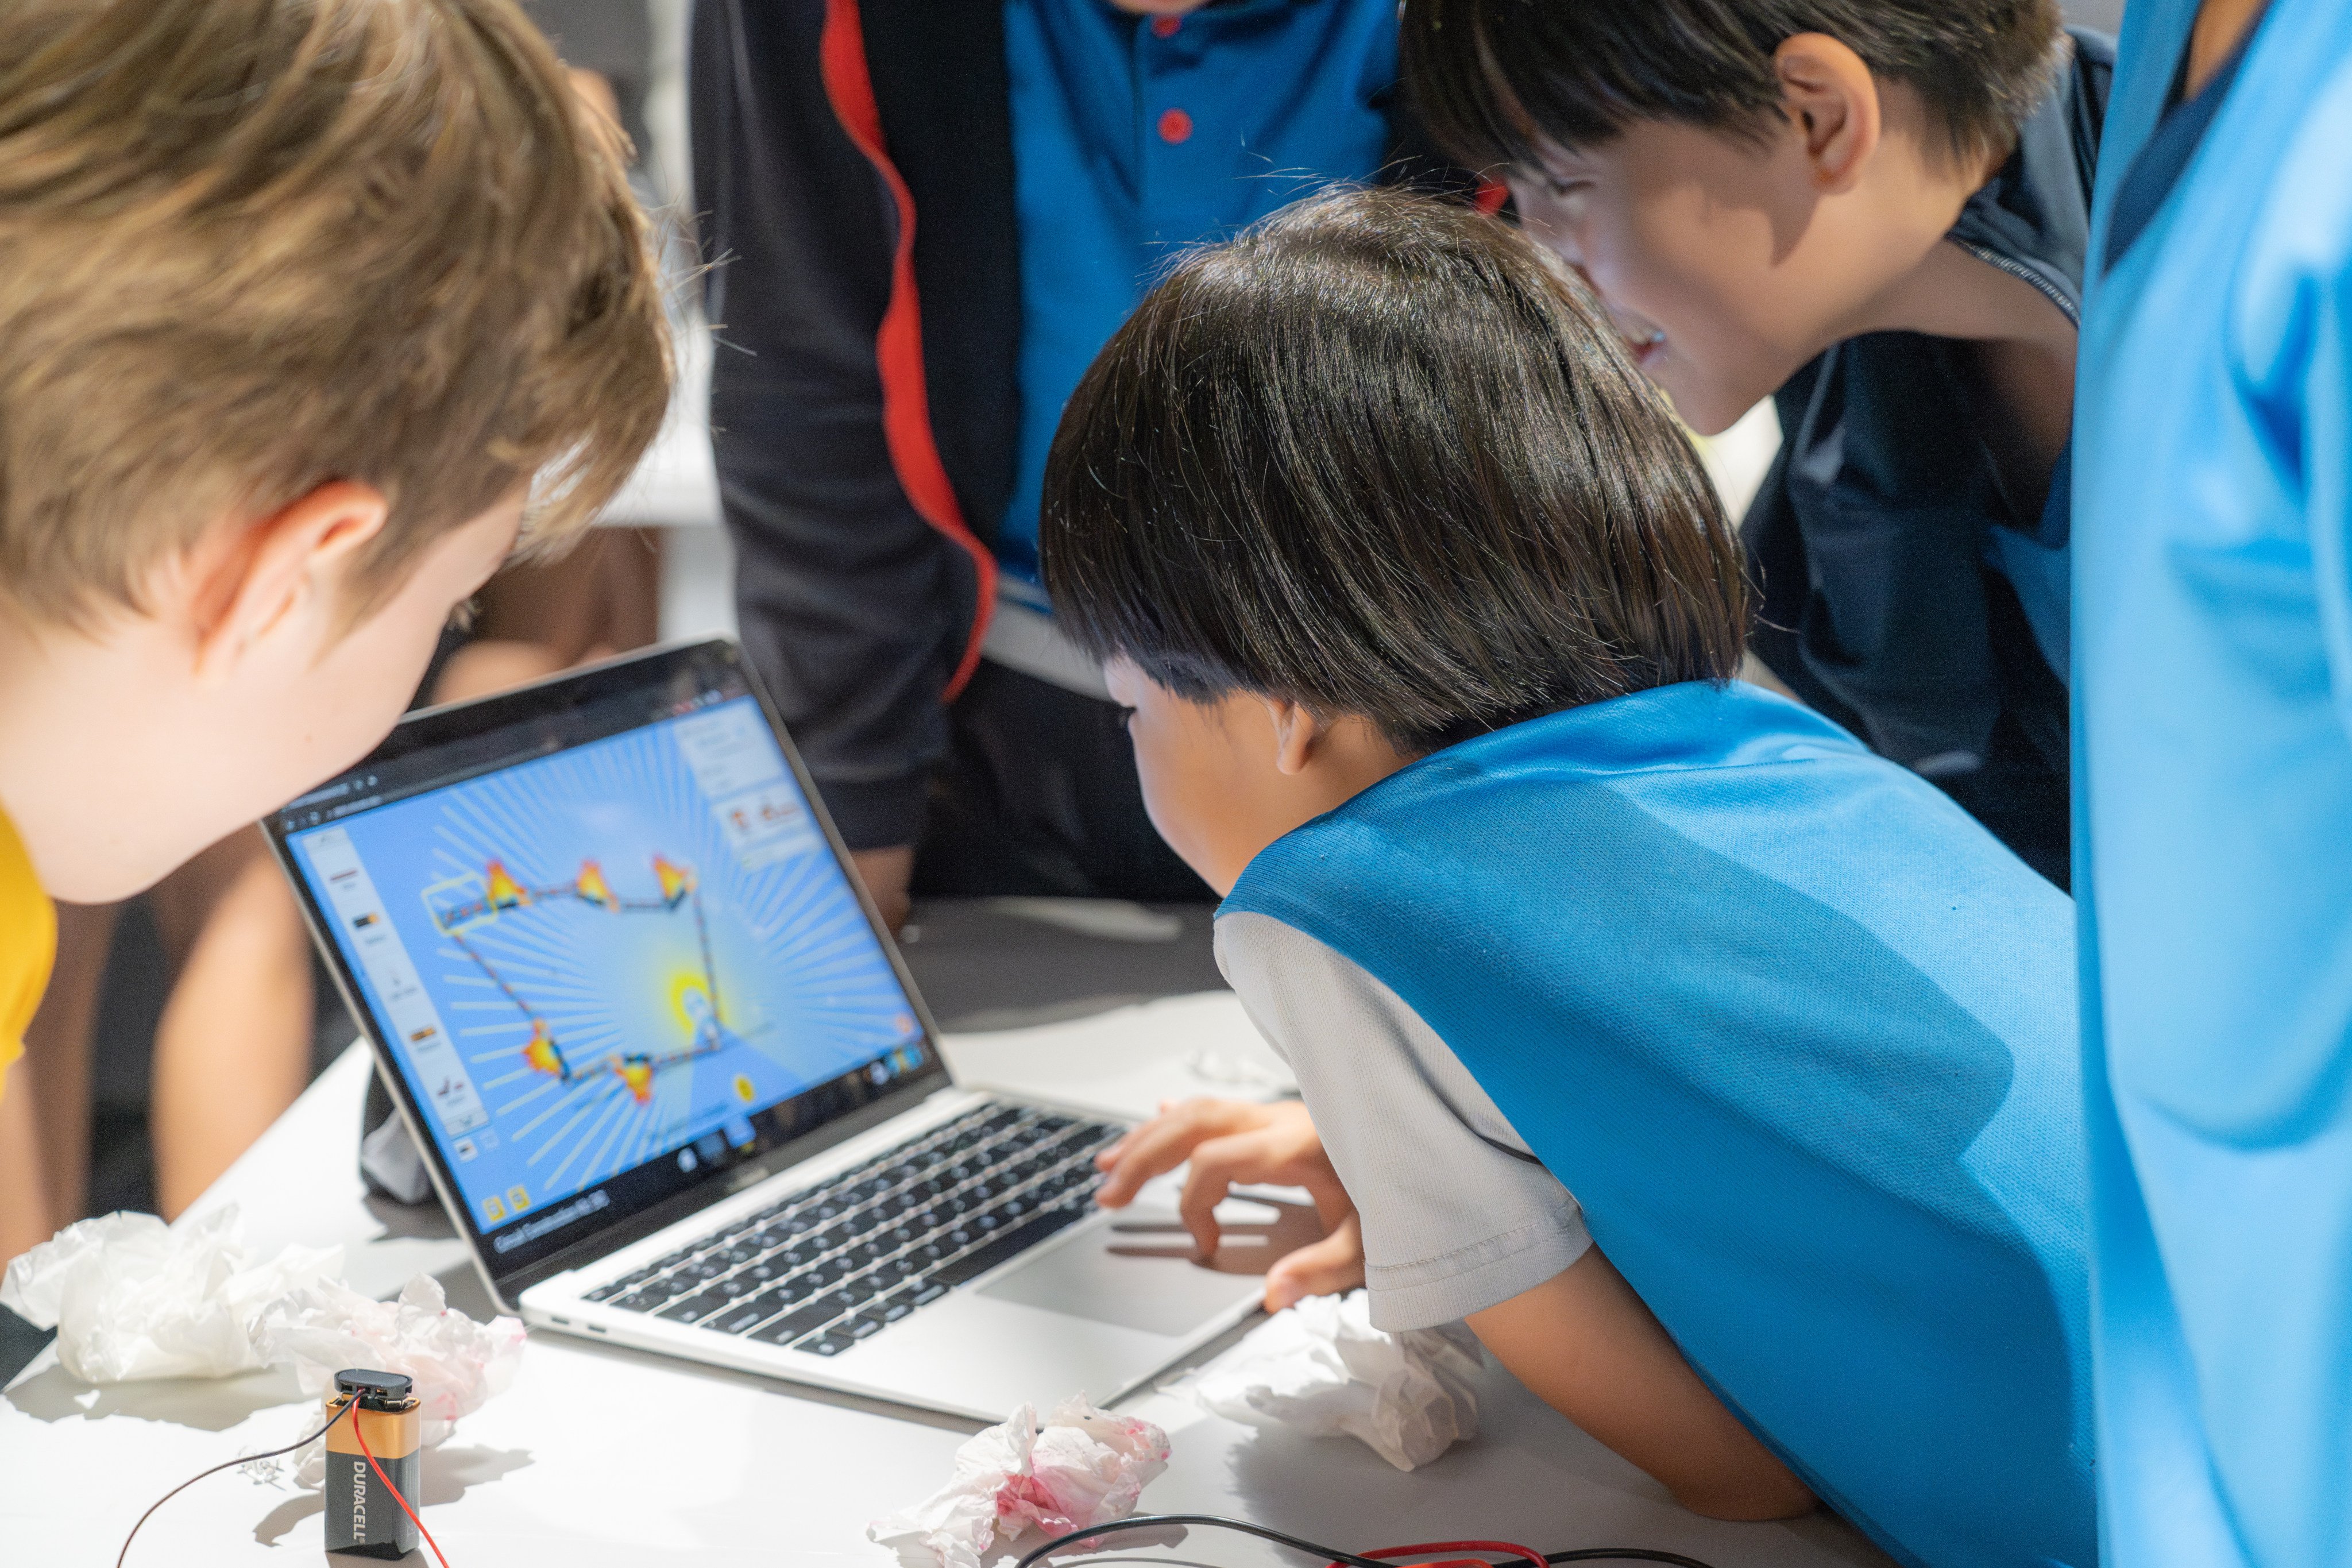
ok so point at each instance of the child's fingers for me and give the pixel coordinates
(1109, 1153)
(1159, 1145)
(1324, 1267)
(1217, 1164)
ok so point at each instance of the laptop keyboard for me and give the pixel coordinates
(841, 1262)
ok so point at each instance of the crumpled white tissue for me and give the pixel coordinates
(133, 1298)
(455, 1361)
(1082, 1467)
(1321, 1368)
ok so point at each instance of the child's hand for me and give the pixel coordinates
(1233, 1140)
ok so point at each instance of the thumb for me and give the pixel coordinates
(1325, 1267)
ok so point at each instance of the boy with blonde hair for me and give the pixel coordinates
(310, 315)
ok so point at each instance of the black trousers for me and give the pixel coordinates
(1039, 797)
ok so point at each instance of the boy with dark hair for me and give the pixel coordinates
(1875, 211)
(1425, 615)
(309, 311)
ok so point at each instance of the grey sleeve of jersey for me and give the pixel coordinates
(1451, 1224)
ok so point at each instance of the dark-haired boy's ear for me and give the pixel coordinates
(1297, 734)
(1832, 101)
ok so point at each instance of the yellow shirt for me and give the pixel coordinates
(29, 944)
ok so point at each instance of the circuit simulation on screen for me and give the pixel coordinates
(618, 953)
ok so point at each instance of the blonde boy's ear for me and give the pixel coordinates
(1296, 734)
(277, 572)
(1832, 99)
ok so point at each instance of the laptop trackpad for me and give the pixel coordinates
(1155, 1294)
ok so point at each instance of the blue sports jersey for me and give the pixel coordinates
(1799, 1036)
(2213, 792)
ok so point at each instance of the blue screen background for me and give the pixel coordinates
(803, 992)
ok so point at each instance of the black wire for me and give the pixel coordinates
(1328, 1553)
(226, 1464)
(1146, 1520)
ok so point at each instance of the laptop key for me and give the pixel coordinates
(927, 1293)
(801, 1319)
(826, 1344)
(865, 1288)
(642, 1300)
(1011, 1242)
(746, 1317)
(693, 1309)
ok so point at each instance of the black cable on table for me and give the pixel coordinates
(227, 1464)
(1213, 1521)
(1327, 1554)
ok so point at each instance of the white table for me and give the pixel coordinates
(599, 1455)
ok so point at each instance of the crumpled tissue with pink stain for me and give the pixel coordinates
(1080, 1467)
(455, 1361)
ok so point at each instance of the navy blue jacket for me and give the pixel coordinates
(1872, 534)
(864, 398)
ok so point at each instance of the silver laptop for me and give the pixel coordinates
(671, 1077)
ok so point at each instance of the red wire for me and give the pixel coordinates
(362, 1436)
(1533, 1559)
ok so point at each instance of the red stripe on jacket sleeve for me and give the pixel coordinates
(898, 345)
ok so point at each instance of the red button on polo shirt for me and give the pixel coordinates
(1165, 27)
(1175, 125)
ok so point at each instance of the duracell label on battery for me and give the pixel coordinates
(363, 1518)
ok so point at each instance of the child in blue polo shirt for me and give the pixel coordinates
(926, 216)
(1425, 619)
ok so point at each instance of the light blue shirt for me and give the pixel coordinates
(1798, 1035)
(2212, 636)
(1133, 138)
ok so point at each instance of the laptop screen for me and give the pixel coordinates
(606, 943)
